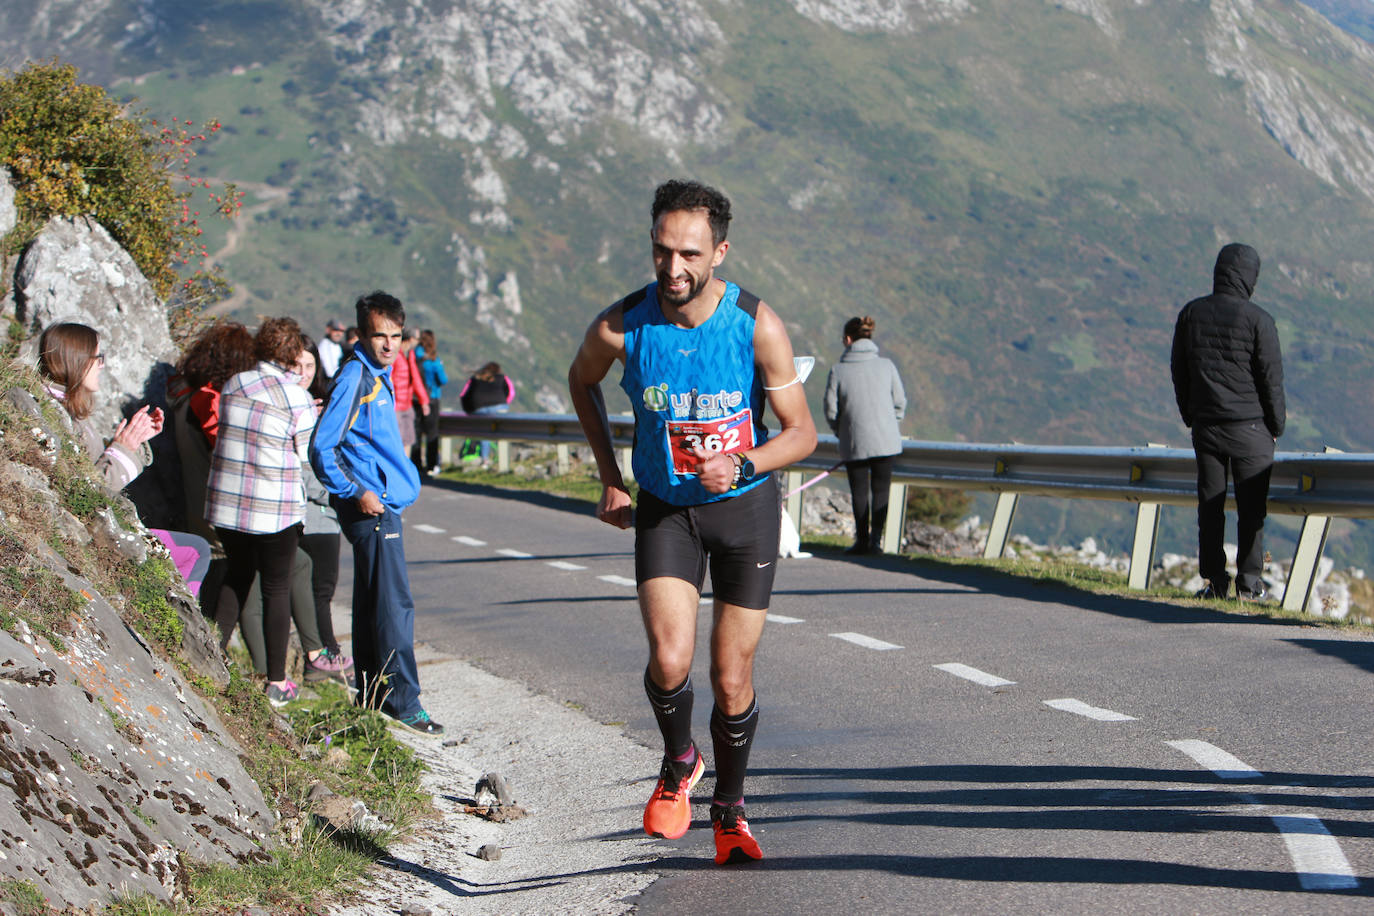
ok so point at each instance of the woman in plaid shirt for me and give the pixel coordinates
(256, 493)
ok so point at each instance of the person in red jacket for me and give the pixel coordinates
(410, 387)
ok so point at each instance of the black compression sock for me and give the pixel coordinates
(731, 738)
(673, 710)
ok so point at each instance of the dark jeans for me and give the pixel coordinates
(271, 557)
(426, 437)
(871, 477)
(383, 612)
(1246, 451)
(324, 577)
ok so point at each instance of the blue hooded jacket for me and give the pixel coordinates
(356, 445)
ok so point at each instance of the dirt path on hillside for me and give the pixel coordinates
(268, 197)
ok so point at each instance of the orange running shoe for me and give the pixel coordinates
(735, 845)
(669, 811)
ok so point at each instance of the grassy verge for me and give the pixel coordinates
(581, 483)
(331, 742)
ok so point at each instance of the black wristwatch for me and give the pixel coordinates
(744, 469)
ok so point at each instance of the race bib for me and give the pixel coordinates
(734, 433)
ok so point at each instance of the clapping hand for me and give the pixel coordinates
(138, 429)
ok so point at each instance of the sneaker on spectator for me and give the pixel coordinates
(328, 667)
(280, 696)
(421, 722)
(1210, 591)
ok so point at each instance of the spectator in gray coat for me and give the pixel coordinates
(864, 400)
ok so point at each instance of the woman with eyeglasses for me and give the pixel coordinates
(71, 366)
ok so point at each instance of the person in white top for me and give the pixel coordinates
(331, 347)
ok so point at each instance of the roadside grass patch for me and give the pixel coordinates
(379, 770)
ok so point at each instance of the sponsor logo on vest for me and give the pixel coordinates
(656, 397)
(704, 405)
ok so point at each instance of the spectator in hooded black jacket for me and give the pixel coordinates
(1228, 379)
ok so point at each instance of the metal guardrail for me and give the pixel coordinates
(1315, 486)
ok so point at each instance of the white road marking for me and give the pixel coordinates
(1316, 855)
(1215, 759)
(563, 564)
(973, 674)
(783, 618)
(516, 554)
(428, 529)
(868, 642)
(1078, 707)
(618, 580)
(471, 542)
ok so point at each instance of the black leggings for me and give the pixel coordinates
(424, 454)
(871, 475)
(270, 556)
(323, 550)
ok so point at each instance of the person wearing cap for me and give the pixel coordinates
(331, 348)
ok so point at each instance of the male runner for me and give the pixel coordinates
(700, 357)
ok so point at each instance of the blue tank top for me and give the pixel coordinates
(691, 386)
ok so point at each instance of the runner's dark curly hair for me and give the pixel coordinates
(675, 195)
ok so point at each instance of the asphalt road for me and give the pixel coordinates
(1140, 757)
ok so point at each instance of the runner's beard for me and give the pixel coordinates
(694, 287)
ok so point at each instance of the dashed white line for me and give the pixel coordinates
(514, 554)
(1078, 707)
(973, 674)
(428, 529)
(783, 618)
(868, 642)
(618, 580)
(564, 564)
(471, 542)
(1215, 759)
(1316, 855)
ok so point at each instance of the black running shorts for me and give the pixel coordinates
(737, 537)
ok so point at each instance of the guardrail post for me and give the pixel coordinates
(1146, 534)
(896, 519)
(503, 455)
(627, 469)
(1001, 526)
(1298, 592)
(446, 451)
(1143, 547)
(792, 504)
(564, 459)
(1302, 576)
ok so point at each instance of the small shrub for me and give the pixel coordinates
(150, 611)
(81, 497)
(72, 150)
(23, 897)
(936, 505)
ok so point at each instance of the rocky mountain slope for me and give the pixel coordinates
(1023, 193)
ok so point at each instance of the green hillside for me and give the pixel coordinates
(1022, 195)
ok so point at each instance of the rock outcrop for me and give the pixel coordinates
(75, 271)
(113, 771)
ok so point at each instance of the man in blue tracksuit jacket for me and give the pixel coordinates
(356, 452)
